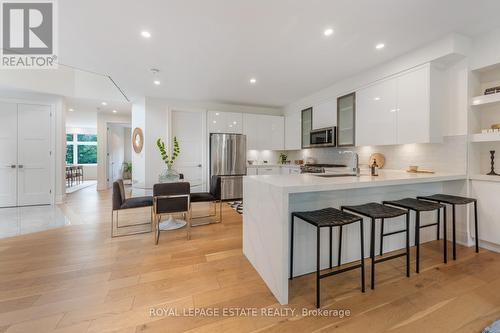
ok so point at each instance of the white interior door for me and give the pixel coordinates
(116, 152)
(8, 155)
(33, 155)
(190, 130)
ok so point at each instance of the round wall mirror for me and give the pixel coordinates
(137, 140)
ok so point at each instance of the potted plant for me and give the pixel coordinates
(283, 158)
(127, 170)
(169, 175)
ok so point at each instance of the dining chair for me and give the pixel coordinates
(120, 202)
(213, 196)
(171, 198)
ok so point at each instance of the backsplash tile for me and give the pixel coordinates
(449, 156)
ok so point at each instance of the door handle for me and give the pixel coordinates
(199, 165)
(13, 166)
(20, 166)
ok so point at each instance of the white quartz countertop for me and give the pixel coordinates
(273, 165)
(311, 183)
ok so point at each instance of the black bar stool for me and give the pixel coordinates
(376, 211)
(328, 218)
(454, 200)
(421, 206)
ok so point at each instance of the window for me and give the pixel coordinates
(86, 137)
(69, 154)
(81, 148)
(87, 154)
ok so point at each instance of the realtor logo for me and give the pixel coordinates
(28, 32)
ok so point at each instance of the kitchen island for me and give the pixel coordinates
(270, 200)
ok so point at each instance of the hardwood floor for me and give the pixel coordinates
(78, 279)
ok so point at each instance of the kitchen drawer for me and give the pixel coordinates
(268, 171)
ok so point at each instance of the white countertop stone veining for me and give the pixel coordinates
(312, 183)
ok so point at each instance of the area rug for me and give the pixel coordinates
(237, 206)
(493, 328)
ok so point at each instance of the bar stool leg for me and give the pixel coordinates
(475, 227)
(438, 223)
(382, 237)
(317, 267)
(454, 233)
(372, 252)
(445, 236)
(417, 239)
(331, 254)
(408, 244)
(291, 247)
(362, 240)
(340, 245)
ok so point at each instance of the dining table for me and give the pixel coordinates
(170, 223)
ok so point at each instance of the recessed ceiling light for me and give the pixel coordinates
(71, 110)
(328, 32)
(253, 80)
(215, 122)
(145, 34)
(380, 46)
(217, 113)
(114, 111)
(234, 122)
(104, 103)
(376, 99)
(157, 82)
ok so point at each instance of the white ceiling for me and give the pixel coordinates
(209, 49)
(79, 105)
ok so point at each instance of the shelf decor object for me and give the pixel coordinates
(492, 172)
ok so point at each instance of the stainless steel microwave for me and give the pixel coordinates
(324, 137)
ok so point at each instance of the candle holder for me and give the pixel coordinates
(492, 172)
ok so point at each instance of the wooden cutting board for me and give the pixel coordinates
(420, 171)
(378, 158)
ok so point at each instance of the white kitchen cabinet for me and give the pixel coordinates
(290, 170)
(402, 109)
(275, 170)
(264, 132)
(419, 113)
(293, 130)
(486, 193)
(251, 171)
(225, 122)
(276, 126)
(324, 114)
(376, 114)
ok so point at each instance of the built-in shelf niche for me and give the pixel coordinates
(484, 112)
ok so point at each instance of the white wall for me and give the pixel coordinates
(139, 160)
(81, 119)
(127, 142)
(485, 50)
(64, 81)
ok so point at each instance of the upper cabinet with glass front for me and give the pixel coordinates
(306, 127)
(346, 110)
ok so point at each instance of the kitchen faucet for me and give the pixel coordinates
(355, 161)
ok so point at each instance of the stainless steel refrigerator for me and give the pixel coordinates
(228, 159)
